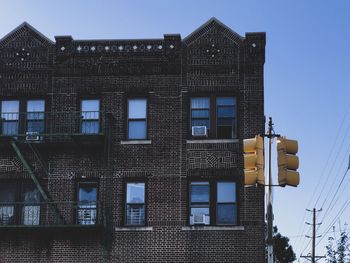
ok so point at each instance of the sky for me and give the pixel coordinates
(306, 81)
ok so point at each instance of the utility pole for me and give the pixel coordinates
(313, 258)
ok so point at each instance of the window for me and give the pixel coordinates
(226, 121)
(31, 205)
(226, 206)
(217, 112)
(135, 203)
(19, 203)
(35, 116)
(137, 119)
(87, 203)
(207, 208)
(90, 110)
(200, 108)
(7, 203)
(10, 117)
(199, 203)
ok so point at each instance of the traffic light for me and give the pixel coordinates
(253, 150)
(288, 162)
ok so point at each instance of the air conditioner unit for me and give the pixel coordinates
(199, 220)
(200, 131)
(32, 136)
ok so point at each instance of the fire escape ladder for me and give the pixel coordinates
(39, 158)
(43, 193)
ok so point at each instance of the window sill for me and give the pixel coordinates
(212, 228)
(213, 141)
(134, 228)
(136, 142)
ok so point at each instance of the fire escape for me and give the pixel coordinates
(30, 135)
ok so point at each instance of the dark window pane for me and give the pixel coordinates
(200, 103)
(226, 214)
(137, 129)
(226, 112)
(135, 214)
(200, 113)
(200, 123)
(225, 122)
(199, 193)
(226, 192)
(135, 193)
(7, 192)
(226, 101)
(224, 132)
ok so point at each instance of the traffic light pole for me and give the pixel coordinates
(269, 204)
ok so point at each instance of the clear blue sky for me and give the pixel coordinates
(307, 76)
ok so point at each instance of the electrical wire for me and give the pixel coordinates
(321, 178)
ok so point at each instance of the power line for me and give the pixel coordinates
(321, 177)
(333, 147)
(341, 211)
(331, 170)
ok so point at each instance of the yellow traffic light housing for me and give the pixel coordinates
(253, 150)
(288, 162)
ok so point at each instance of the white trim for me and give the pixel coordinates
(212, 228)
(134, 228)
(136, 142)
(213, 141)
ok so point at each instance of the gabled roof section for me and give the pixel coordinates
(25, 26)
(206, 27)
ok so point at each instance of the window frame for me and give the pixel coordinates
(199, 204)
(146, 119)
(27, 119)
(77, 188)
(135, 181)
(213, 115)
(217, 203)
(213, 189)
(19, 202)
(18, 120)
(201, 118)
(234, 118)
(99, 121)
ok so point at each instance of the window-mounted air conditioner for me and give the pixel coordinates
(199, 220)
(199, 131)
(32, 136)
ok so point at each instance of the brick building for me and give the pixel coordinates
(130, 150)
